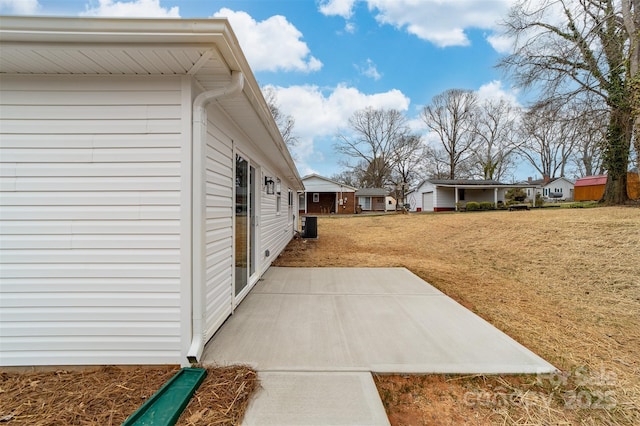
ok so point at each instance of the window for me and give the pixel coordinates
(461, 194)
(316, 197)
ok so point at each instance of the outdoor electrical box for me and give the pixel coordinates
(309, 227)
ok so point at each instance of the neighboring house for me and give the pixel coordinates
(325, 196)
(145, 188)
(437, 195)
(558, 189)
(372, 199)
(532, 188)
(590, 188)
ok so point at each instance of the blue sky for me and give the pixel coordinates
(329, 58)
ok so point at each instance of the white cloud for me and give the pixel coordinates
(501, 43)
(350, 27)
(442, 23)
(271, 45)
(133, 9)
(343, 8)
(369, 70)
(494, 91)
(319, 115)
(20, 7)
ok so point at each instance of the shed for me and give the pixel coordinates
(145, 188)
(590, 188)
(325, 196)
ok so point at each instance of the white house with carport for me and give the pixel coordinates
(437, 195)
(145, 188)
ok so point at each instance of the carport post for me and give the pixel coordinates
(455, 190)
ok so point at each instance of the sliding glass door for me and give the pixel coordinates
(245, 235)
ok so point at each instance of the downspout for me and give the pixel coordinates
(198, 176)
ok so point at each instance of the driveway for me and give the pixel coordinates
(315, 334)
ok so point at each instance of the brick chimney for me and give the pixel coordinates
(529, 179)
(546, 179)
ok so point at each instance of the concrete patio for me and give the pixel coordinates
(315, 334)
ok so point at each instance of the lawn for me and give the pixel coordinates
(563, 282)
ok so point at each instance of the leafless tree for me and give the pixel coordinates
(407, 169)
(568, 47)
(547, 139)
(590, 118)
(372, 141)
(436, 163)
(349, 177)
(285, 123)
(495, 128)
(451, 116)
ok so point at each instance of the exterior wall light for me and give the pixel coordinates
(269, 184)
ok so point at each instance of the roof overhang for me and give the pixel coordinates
(471, 186)
(206, 49)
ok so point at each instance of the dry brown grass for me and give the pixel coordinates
(563, 282)
(108, 395)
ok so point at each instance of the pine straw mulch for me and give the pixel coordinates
(563, 282)
(108, 395)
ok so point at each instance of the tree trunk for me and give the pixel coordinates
(617, 155)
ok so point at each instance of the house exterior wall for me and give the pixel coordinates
(368, 203)
(414, 198)
(479, 195)
(219, 225)
(90, 220)
(95, 219)
(326, 203)
(444, 199)
(329, 194)
(275, 230)
(274, 227)
(348, 205)
(559, 185)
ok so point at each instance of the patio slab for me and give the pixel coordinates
(315, 334)
(385, 320)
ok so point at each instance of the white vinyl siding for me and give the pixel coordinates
(444, 198)
(275, 229)
(219, 229)
(89, 220)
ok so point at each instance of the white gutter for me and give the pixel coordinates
(199, 208)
